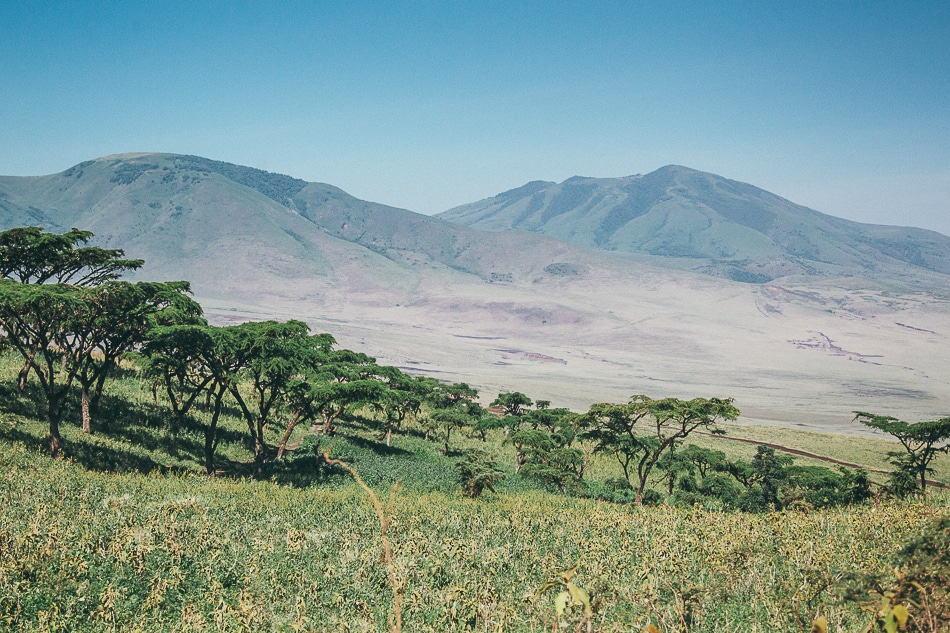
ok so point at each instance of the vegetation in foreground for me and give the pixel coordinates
(127, 533)
(97, 551)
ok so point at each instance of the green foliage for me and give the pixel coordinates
(410, 460)
(478, 471)
(127, 173)
(902, 481)
(561, 269)
(277, 187)
(87, 551)
(548, 458)
(638, 433)
(921, 441)
(513, 403)
(30, 255)
(570, 596)
(83, 548)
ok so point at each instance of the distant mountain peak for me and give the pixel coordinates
(706, 223)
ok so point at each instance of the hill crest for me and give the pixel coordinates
(706, 223)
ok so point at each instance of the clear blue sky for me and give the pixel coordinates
(841, 106)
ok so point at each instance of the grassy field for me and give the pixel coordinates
(126, 534)
(96, 551)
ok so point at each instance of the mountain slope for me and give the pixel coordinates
(517, 310)
(182, 213)
(708, 224)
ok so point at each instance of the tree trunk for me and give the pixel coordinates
(328, 427)
(210, 432)
(176, 407)
(389, 436)
(100, 385)
(258, 458)
(286, 438)
(55, 441)
(86, 415)
(25, 371)
(259, 449)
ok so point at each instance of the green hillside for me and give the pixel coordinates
(126, 532)
(709, 224)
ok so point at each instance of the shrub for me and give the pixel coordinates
(918, 590)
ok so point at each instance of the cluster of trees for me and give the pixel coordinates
(63, 308)
(70, 318)
(645, 437)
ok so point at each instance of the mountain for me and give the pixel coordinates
(517, 310)
(183, 213)
(709, 224)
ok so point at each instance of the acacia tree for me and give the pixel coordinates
(116, 318)
(187, 361)
(550, 456)
(453, 408)
(181, 359)
(513, 405)
(271, 357)
(66, 333)
(639, 432)
(285, 366)
(37, 319)
(478, 471)
(455, 418)
(28, 255)
(330, 383)
(401, 400)
(353, 378)
(921, 441)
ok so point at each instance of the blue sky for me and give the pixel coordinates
(840, 106)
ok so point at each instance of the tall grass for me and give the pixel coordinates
(96, 551)
(126, 534)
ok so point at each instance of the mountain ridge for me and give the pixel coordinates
(164, 207)
(727, 227)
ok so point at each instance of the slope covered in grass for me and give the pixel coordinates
(127, 534)
(85, 550)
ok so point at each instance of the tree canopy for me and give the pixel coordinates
(921, 441)
(638, 433)
(30, 255)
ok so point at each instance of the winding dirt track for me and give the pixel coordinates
(795, 451)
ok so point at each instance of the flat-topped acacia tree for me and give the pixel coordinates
(30, 255)
(921, 441)
(271, 357)
(639, 432)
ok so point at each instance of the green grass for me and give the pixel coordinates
(90, 551)
(127, 534)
